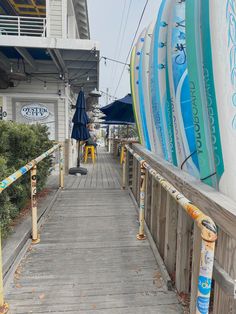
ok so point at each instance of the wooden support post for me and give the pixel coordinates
(139, 182)
(33, 174)
(161, 221)
(130, 169)
(154, 208)
(134, 178)
(61, 167)
(171, 234)
(184, 228)
(125, 162)
(148, 191)
(225, 256)
(197, 239)
(141, 235)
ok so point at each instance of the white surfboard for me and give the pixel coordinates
(222, 14)
(153, 138)
(139, 46)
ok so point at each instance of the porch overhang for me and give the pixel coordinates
(74, 61)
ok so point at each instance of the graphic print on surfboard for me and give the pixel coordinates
(139, 46)
(158, 80)
(181, 98)
(198, 95)
(223, 49)
(148, 116)
(132, 87)
(142, 98)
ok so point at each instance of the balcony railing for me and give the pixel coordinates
(22, 26)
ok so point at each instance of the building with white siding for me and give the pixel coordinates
(46, 57)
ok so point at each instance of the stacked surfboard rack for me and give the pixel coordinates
(183, 83)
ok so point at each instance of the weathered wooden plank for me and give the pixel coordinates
(171, 235)
(225, 256)
(227, 284)
(134, 178)
(148, 199)
(161, 221)
(88, 259)
(154, 208)
(184, 230)
(218, 206)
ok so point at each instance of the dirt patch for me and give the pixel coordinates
(26, 211)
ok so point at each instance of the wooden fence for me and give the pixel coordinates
(177, 237)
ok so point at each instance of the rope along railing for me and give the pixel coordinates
(205, 223)
(32, 167)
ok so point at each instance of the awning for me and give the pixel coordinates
(119, 112)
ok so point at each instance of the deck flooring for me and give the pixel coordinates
(88, 260)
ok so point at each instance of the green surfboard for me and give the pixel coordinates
(198, 95)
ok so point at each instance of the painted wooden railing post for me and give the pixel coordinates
(141, 235)
(206, 270)
(124, 163)
(187, 213)
(61, 167)
(33, 181)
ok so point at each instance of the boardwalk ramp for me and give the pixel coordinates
(88, 260)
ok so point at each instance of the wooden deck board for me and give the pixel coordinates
(88, 260)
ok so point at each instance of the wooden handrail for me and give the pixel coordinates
(177, 238)
(4, 184)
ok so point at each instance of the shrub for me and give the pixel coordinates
(19, 144)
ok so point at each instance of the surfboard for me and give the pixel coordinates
(143, 97)
(139, 46)
(133, 93)
(180, 92)
(210, 87)
(161, 106)
(221, 17)
(148, 116)
(198, 95)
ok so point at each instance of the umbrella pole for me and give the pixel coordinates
(78, 158)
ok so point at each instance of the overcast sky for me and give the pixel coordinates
(115, 36)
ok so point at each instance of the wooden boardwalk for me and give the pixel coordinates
(88, 260)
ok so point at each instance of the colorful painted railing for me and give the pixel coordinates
(176, 237)
(205, 223)
(32, 167)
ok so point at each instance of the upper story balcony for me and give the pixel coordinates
(23, 26)
(47, 18)
(51, 36)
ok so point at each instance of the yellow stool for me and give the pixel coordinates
(89, 151)
(122, 154)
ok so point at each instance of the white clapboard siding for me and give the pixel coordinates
(9, 108)
(55, 18)
(61, 120)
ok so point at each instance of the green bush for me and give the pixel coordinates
(19, 144)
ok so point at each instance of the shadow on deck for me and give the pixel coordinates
(88, 260)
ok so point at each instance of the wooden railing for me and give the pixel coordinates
(177, 236)
(4, 184)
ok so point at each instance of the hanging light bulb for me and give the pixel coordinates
(11, 68)
(88, 78)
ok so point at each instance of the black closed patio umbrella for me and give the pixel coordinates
(80, 131)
